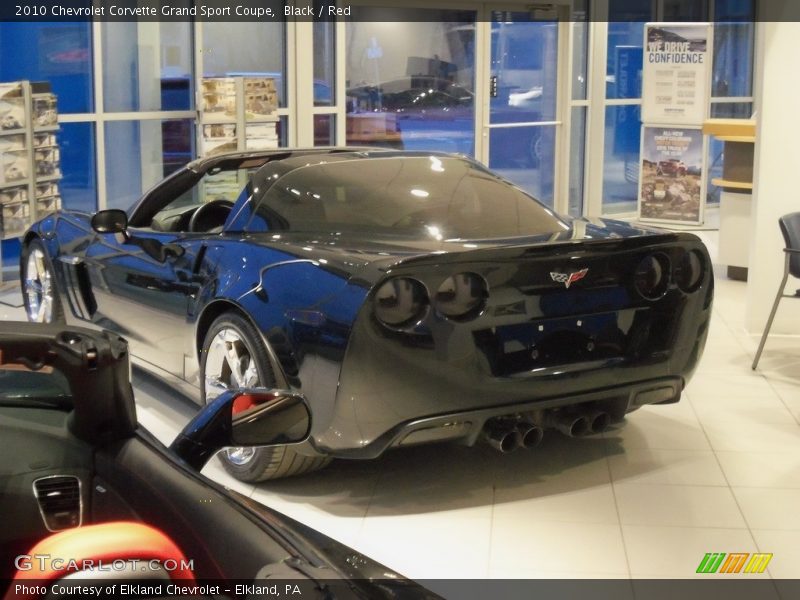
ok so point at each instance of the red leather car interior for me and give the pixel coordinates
(81, 548)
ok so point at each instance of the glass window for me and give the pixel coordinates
(147, 66)
(524, 68)
(625, 37)
(78, 185)
(411, 85)
(141, 153)
(324, 63)
(716, 148)
(577, 160)
(60, 53)
(526, 156)
(580, 57)
(685, 10)
(734, 33)
(429, 197)
(255, 48)
(621, 159)
(324, 130)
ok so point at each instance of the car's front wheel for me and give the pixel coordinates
(39, 293)
(234, 356)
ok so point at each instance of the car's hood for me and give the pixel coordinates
(370, 255)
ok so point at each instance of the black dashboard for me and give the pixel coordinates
(40, 456)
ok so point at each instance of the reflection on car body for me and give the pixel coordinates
(411, 297)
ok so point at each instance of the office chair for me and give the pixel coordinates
(790, 228)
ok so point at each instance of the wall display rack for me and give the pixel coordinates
(30, 158)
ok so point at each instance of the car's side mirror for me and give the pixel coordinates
(256, 417)
(112, 220)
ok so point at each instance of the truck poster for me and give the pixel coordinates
(672, 179)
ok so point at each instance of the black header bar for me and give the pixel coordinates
(324, 10)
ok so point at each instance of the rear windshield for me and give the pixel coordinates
(422, 197)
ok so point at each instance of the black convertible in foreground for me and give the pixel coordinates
(94, 506)
(409, 297)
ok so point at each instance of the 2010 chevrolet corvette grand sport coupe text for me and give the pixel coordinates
(410, 298)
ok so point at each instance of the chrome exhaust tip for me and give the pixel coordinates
(530, 435)
(571, 424)
(503, 438)
(599, 421)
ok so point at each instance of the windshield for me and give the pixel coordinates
(20, 387)
(422, 197)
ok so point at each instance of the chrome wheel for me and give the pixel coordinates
(230, 365)
(38, 288)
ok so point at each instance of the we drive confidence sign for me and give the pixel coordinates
(677, 73)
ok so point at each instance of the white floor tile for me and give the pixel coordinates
(451, 545)
(671, 467)
(747, 385)
(677, 506)
(525, 543)
(677, 551)
(761, 469)
(770, 508)
(553, 501)
(785, 547)
(669, 427)
(741, 436)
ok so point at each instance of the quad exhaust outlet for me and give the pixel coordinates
(503, 437)
(507, 434)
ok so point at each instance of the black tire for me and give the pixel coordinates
(57, 311)
(266, 463)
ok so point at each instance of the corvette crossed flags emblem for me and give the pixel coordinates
(568, 278)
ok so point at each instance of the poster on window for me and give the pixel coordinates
(676, 73)
(672, 180)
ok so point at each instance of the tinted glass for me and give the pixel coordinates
(621, 163)
(147, 66)
(324, 62)
(79, 185)
(141, 153)
(59, 53)
(410, 77)
(421, 197)
(226, 53)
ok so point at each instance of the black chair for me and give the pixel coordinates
(790, 228)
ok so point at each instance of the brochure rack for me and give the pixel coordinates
(30, 159)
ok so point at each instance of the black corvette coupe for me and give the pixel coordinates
(94, 505)
(410, 297)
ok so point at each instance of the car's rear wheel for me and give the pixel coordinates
(234, 356)
(39, 293)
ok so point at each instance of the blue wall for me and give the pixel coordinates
(60, 53)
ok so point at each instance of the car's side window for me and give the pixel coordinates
(222, 185)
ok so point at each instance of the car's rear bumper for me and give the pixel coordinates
(466, 426)
(536, 346)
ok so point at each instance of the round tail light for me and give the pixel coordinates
(690, 270)
(461, 296)
(400, 301)
(651, 277)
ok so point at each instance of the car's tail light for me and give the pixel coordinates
(689, 271)
(461, 296)
(651, 277)
(401, 301)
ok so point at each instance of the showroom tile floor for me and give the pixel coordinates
(718, 472)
